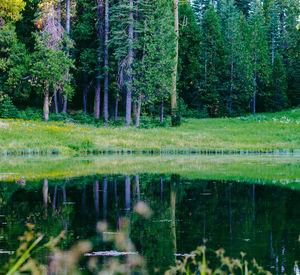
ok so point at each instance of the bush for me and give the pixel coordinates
(192, 113)
(60, 117)
(31, 114)
(148, 123)
(83, 118)
(7, 108)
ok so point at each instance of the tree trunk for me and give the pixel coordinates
(100, 12)
(161, 189)
(254, 84)
(231, 84)
(55, 101)
(129, 66)
(83, 202)
(116, 108)
(97, 99)
(46, 105)
(96, 197)
(137, 182)
(173, 217)
(127, 193)
(106, 68)
(134, 112)
(45, 192)
(85, 92)
(54, 197)
(162, 111)
(64, 194)
(139, 107)
(68, 16)
(174, 91)
(65, 103)
(273, 50)
(105, 183)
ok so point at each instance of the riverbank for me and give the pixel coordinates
(254, 133)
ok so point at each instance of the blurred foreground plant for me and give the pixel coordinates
(80, 260)
(196, 263)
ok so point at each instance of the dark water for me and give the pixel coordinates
(263, 221)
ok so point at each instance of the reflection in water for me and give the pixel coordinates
(262, 221)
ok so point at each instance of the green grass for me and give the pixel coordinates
(282, 171)
(261, 132)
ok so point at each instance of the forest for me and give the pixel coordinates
(110, 59)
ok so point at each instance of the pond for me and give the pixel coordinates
(242, 204)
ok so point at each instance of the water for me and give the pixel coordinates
(235, 213)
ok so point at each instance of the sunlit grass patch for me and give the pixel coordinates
(261, 132)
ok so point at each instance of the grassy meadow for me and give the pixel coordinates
(282, 171)
(260, 132)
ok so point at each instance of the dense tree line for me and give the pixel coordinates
(141, 57)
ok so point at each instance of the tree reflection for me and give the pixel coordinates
(262, 221)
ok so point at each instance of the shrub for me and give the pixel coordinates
(31, 114)
(148, 123)
(83, 118)
(7, 108)
(60, 117)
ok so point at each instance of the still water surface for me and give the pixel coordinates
(260, 220)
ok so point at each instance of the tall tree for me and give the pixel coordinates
(106, 63)
(189, 70)
(49, 60)
(154, 76)
(68, 26)
(129, 73)
(200, 6)
(100, 32)
(237, 61)
(279, 98)
(258, 50)
(273, 27)
(122, 36)
(85, 37)
(213, 62)
(243, 6)
(174, 111)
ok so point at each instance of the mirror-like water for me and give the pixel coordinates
(261, 220)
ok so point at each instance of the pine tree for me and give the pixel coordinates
(243, 6)
(106, 62)
(155, 80)
(290, 46)
(100, 40)
(200, 6)
(175, 115)
(189, 57)
(122, 36)
(213, 62)
(278, 85)
(85, 37)
(259, 52)
(273, 27)
(237, 62)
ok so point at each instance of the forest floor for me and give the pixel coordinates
(257, 133)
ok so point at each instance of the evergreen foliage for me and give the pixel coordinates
(7, 108)
(235, 56)
(213, 59)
